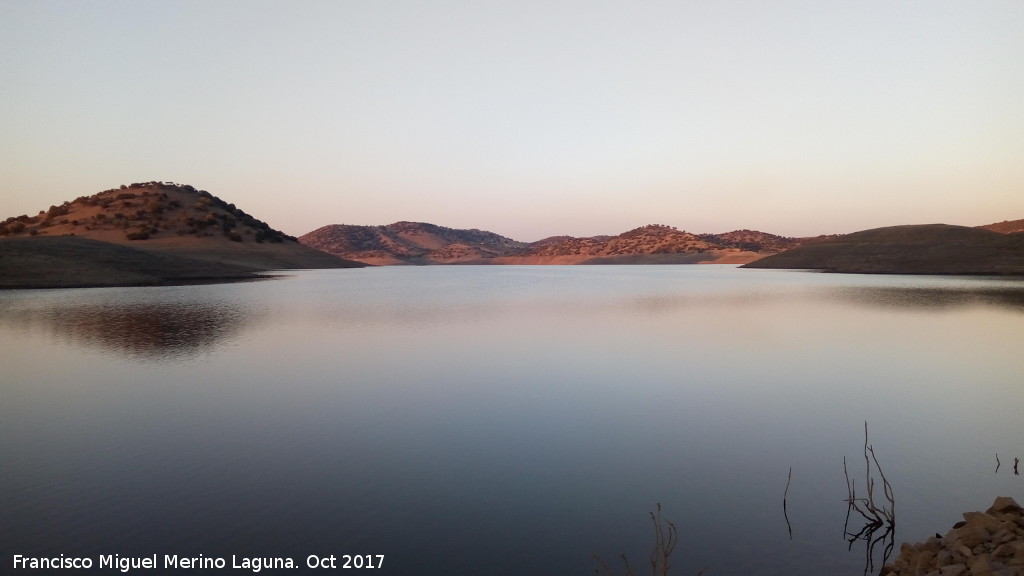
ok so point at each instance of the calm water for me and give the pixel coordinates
(505, 420)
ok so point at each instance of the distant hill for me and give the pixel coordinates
(421, 243)
(409, 243)
(173, 233)
(911, 249)
(1006, 226)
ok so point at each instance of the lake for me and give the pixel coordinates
(506, 420)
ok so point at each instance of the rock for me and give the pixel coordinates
(952, 570)
(1004, 504)
(989, 543)
(985, 521)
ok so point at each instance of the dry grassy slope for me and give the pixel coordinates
(175, 220)
(409, 243)
(74, 261)
(912, 249)
(657, 239)
(419, 243)
(1006, 226)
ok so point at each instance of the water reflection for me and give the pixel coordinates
(933, 299)
(940, 297)
(144, 331)
(867, 535)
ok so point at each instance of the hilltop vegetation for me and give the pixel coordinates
(421, 243)
(145, 210)
(1006, 226)
(143, 234)
(409, 242)
(164, 232)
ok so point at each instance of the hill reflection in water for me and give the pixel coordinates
(1009, 299)
(520, 418)
(143, 331)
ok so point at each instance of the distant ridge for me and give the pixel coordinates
(1006, 226)
(422, 243)
(172, 233)
(910, 249)
(409, 243)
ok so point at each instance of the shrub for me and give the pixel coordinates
(55, 211)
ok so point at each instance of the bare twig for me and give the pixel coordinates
(666, 538)
(866, 507)
(785, 497)
(876, 516)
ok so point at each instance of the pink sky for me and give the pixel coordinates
(528, 119)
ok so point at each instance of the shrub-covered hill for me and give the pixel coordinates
(1006, 226)
(422, 243)
(410, 243)
(143, 211)
(167, 219)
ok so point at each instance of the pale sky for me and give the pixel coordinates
(526, 118)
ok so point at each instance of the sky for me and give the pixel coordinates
(525, 118)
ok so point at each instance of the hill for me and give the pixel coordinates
(1006, 226)
(409, 243)
(911, 249)
(73, 262)
(421, 243)
(173, 232)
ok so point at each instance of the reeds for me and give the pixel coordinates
(884, 514)
(876, 515)
(666, 537)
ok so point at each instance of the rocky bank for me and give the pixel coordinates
(989, 543)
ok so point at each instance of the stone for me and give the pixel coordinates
(971, 536)
(987, 522)
(952, 570)
(980, 566)
(984, 544)
(1004, 504)
(1004, 551)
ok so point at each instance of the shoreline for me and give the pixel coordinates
(989, 543)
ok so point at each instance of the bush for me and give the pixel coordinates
(55, 211)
